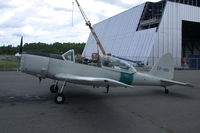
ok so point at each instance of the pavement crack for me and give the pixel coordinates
(167, 130)
(153, 122)
(143, 117)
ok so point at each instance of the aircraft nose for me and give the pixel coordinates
(18, 56)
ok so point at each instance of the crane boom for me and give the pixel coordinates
(91, 29)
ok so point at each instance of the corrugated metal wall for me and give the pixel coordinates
(169, 35)
(119, 37)
(115, 33)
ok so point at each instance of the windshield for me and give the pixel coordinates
(69, 55)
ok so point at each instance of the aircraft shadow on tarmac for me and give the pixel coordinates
(79, 93)
(88, 94)
(171, 94)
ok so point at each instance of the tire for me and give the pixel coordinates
(59, 99)
(54, 89)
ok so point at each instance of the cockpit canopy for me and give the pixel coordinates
(117, 64)
(107, 62)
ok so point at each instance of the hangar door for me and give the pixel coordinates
(190, 38)
(191, 42)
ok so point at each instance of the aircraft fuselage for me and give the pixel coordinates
(48, 65)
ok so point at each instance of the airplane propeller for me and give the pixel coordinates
(20, 47)
(18, 55)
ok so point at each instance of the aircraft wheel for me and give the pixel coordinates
(54, 88)
(59, 99)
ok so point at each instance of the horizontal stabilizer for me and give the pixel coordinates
(173, 82)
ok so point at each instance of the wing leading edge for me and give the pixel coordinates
(90, 80)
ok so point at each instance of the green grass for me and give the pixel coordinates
(8, 65)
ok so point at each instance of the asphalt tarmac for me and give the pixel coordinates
(27, 106)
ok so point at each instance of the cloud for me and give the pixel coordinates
(4, 4)
(113, 2)
(51, 20)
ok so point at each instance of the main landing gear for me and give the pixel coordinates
(54, 87)
(166, 90)
(59, 98)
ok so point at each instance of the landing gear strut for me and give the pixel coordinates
(60, 98)
(166, 90)
(107, 88)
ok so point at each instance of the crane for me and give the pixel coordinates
(91, 29)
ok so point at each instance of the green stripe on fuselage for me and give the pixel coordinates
(126, 78)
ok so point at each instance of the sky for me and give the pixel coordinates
(52, 21)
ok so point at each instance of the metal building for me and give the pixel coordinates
(146, 32)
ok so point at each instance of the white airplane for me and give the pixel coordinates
(111, 72)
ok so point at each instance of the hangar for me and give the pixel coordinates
(147, 31)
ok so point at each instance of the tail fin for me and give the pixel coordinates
(164, 68)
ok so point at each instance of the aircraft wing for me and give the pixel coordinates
(173, 82)
(90, 80)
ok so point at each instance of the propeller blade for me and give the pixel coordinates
(18, 55)
(20, 47)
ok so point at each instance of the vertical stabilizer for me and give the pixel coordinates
(164, 68)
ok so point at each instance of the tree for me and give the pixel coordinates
(56, 48)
